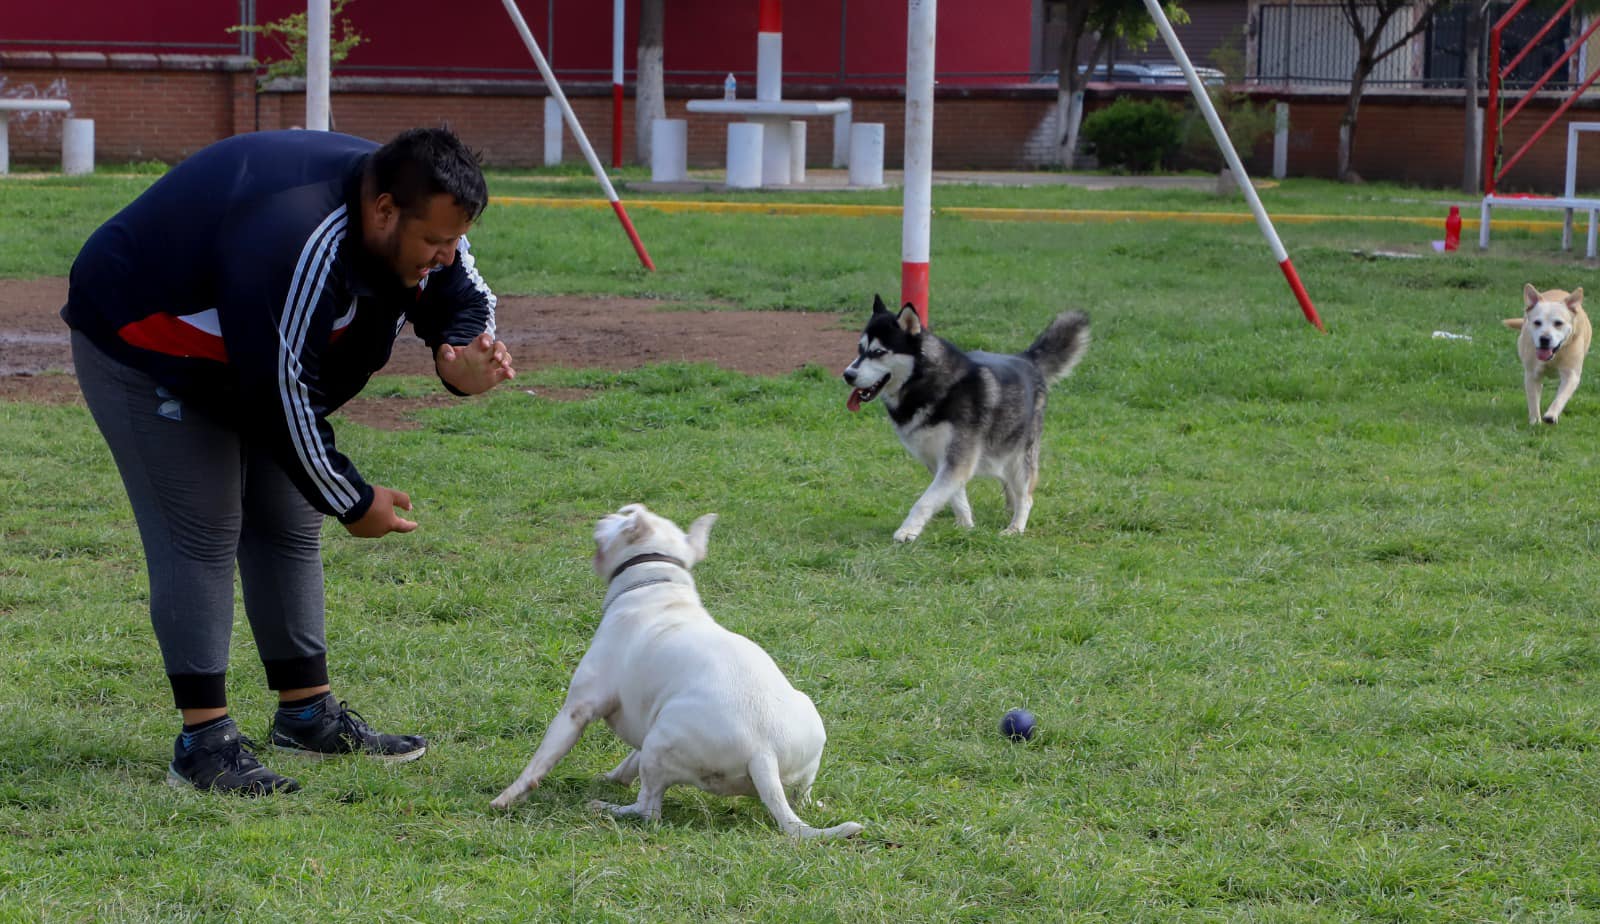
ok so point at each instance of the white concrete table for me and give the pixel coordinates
(10, 104)
(773, 116)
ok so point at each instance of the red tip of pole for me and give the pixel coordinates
(914, 288)
(627, 225)
(1300, 293)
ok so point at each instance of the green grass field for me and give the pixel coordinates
(1307, 620)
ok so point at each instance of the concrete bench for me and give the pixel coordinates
(77, 140)
(773, 117)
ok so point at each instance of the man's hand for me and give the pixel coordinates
(476, 367)
(380, 519)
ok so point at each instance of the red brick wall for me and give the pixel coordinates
(165, 107)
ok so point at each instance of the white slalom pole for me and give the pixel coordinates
(577, 130)
(917, 211)
(319, 71)
(1203, 100)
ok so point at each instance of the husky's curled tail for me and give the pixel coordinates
(1060, 347)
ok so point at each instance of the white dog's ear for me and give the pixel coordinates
(1530, 296)
(636, 529)
(699, 532)
(1575, 300)
(909, 322)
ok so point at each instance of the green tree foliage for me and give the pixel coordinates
(289, 34)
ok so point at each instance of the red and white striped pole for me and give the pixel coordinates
(577, 130)
(769, 51)
(617, 28)
(917, 212)
(1203, 100)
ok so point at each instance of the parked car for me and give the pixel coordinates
(1141, 73)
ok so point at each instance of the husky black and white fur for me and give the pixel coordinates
(963, 414)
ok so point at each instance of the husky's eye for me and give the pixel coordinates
(874, 354)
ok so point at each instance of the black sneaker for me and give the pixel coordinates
(219, 758)
(328, 726)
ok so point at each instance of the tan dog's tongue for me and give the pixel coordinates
(1544, 354)
(854, 402)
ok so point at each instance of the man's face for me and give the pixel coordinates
(414, 244)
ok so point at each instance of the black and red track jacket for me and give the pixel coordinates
(238, 281)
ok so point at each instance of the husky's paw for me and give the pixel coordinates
(906, 535)
(1550, 419)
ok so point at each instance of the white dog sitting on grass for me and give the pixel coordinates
(699, 704)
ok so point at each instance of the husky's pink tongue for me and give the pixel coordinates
(854, 403)
(1544, 354)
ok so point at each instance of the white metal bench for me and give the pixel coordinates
(10, 104)
(1569, 202)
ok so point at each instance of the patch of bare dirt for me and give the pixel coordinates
(583, 333)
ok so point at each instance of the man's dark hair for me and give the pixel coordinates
(421, 163)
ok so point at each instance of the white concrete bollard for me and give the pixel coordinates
(5, 144)
(1280, 141)
(866, 154)
(841, 136)
(77, 147)
(744, 155)
(552, 132)
(797, 151)
(669, 150)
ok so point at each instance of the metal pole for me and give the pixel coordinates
(318, 68)
(917, 212)
(1203, 100)
(577, 130)
(617, 28)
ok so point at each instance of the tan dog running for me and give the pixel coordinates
(1554, 341)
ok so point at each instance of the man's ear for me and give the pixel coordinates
(699, 532)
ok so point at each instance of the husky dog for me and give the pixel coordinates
(963, 414)
(699, 704)
(1554, 340)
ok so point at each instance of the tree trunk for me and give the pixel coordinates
(649, 92)
(1069, 85)
(1347, 124)
(1472, 128)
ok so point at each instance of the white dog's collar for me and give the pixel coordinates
(682, 577)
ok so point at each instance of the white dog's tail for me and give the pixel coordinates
(1061, 345)
(764, 774)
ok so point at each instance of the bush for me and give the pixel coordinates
(1140, 135)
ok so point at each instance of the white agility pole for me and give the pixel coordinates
(917, 211)
(577, 130)
(1203, 100)
(319, 70)
(618, 24)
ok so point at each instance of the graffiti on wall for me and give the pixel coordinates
(34, 124)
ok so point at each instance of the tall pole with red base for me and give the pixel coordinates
(1203, 100)
(917, 212)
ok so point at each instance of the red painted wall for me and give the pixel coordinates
(826, 41)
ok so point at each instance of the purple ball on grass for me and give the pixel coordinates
(1017, 725)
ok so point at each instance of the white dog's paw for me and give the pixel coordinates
(1550, 419)
(1012, 530)
(906, 535)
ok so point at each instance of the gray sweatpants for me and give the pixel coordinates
(204, 498)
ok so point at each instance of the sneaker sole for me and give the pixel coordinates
(304, 754)
(177, 781)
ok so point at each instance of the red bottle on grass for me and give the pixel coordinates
(1452, 228)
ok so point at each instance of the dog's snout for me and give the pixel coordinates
(850, 374)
